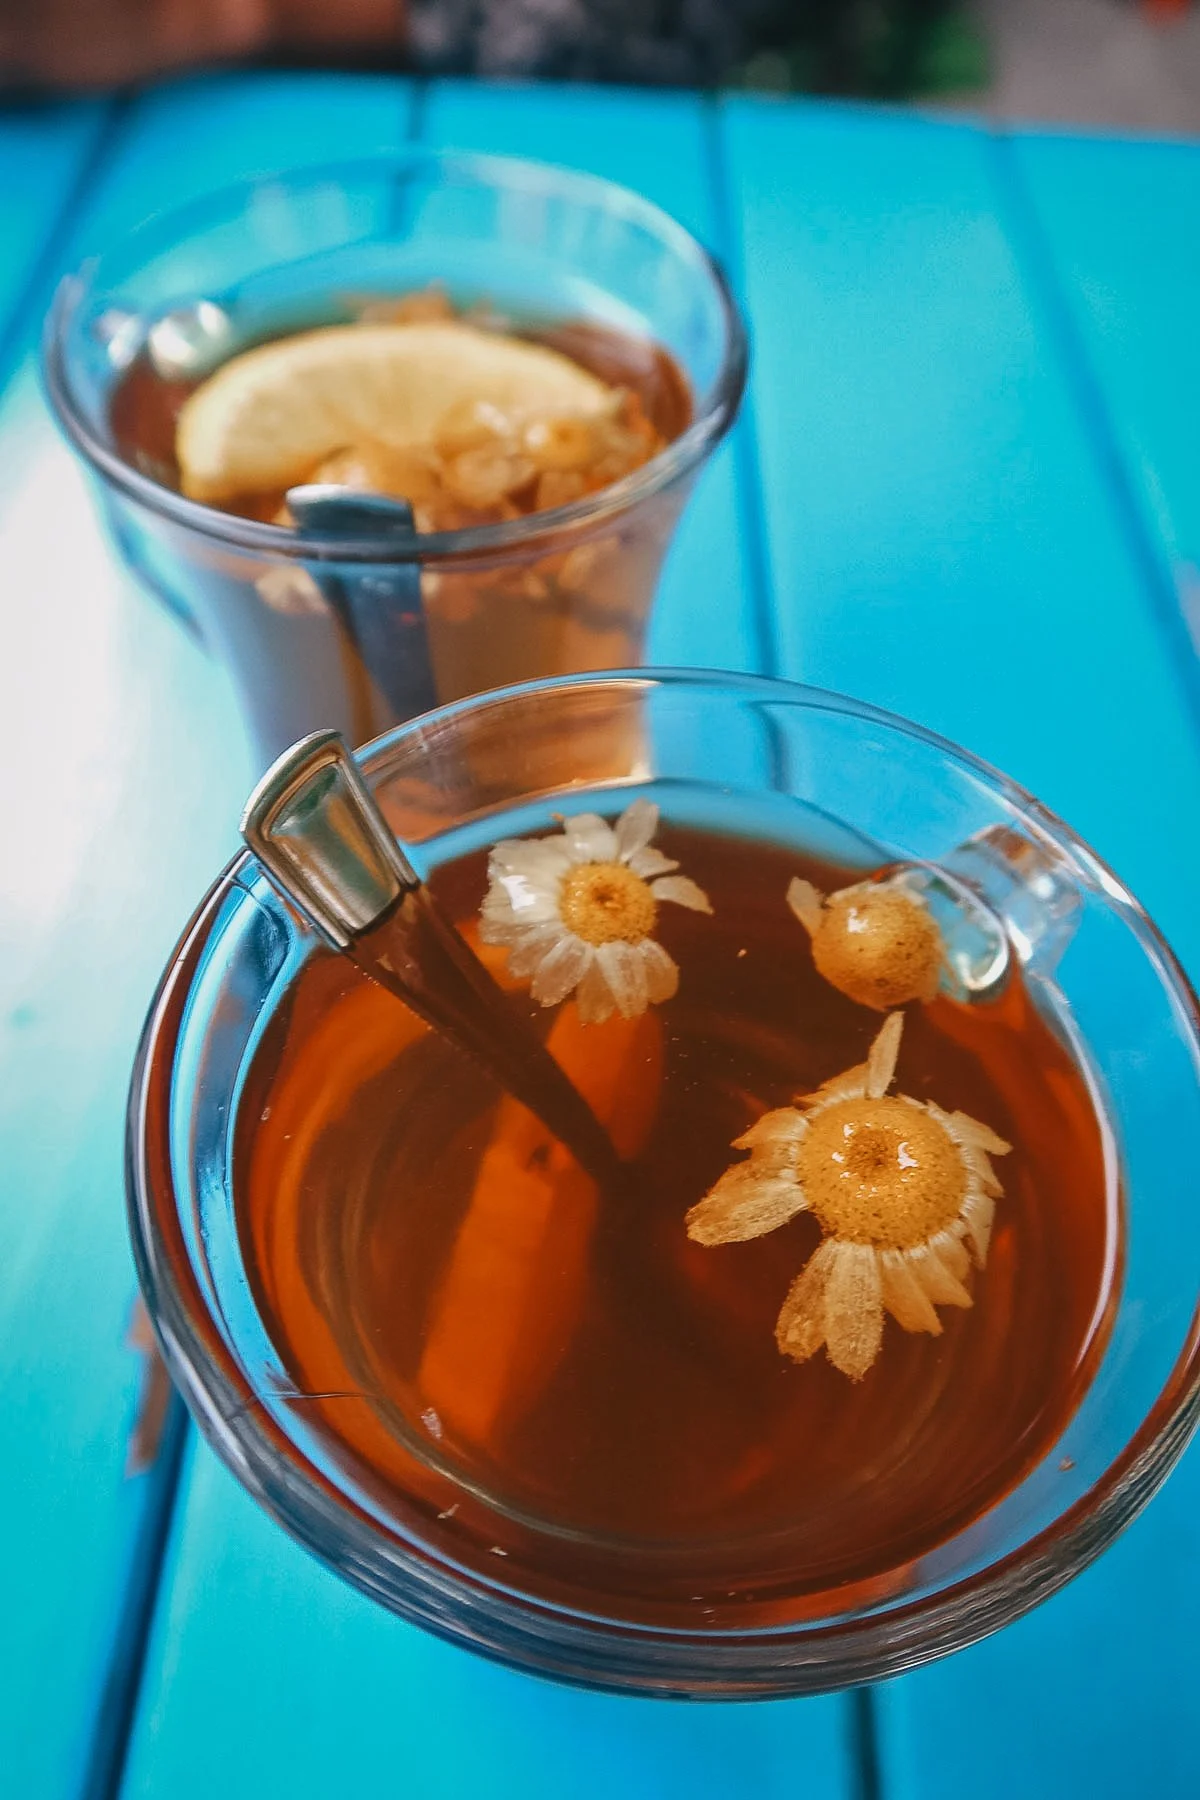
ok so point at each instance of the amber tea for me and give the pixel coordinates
(473, 420)
(856, 1282)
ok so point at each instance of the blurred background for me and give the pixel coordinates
(1126, 63)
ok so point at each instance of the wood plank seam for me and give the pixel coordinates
(865, 1746)
(749, 493)
(1048, 295)
(108, 1751)
(863, 1749)
(109, 1757)
(109, 1748)
(746, 459)
(105, 1751)
(418, 109)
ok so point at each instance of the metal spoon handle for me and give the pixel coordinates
(377, 604)
(315, 826)
(317, 830)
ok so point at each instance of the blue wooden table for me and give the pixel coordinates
(967, 487)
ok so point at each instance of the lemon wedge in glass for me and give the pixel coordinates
(266, 418)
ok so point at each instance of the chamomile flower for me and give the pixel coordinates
(904, 1192)
(875, 942)
(578, 910)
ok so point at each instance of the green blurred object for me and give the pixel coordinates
(885, 49)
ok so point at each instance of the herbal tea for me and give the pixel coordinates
(472, 419)
(854, 1284)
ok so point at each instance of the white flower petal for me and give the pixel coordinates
(800, 1328)
(774, 1160)
(681, 892)
(594, 997)
(853, 1309)
(942, 1287)
(514, 896)
(881, 1058)
(531, 949)
(510, 852)
(635, 827)
(948, 1247)
(981, 1170)
(850, 1085)
(745, 1203)
(978, 1212)
(651, 862)
(805, 901)
(561, 970)
(626, 976)
(542, 861)
(964, 1134)
(496, 909)
(782, 1128)
(903, 1295)
(661, 973)
(588, 839)
(522, 909)
(494, 929)
(963, 1126)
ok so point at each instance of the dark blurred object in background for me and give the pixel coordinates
(94, 43)
(823, 46)
(873, 47)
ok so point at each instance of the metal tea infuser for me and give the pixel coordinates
(316, 828)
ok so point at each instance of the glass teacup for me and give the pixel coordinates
(355, 620)
(1024, 908)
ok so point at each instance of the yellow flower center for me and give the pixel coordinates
(881, 1172)
(604, 901)
(879, 946)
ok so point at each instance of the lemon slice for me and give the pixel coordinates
(266, 418)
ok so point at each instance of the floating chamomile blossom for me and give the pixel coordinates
(577, 911)
(875, 942)
(904, 1192)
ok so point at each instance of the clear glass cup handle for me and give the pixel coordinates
(1000, 894)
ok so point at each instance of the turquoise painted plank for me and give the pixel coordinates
(1120, 227)
(941, 531)
(654, 143)
(945, 539)
(252, 1633)
(336, 1697)
(1093, 1694)
(659, 144)
(137, 770)
(141, 767)
(189, 137)
(44, 150)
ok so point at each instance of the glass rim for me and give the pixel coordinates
(808, 1655)
(715, 412)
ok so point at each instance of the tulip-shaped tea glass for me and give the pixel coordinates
(354, 619)
(825, 1427)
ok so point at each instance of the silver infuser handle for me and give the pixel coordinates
(317, 830)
